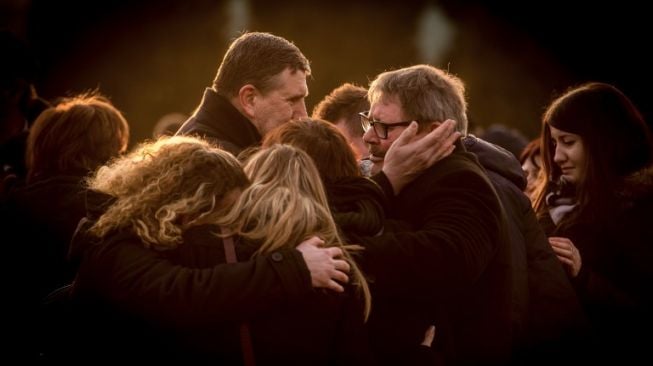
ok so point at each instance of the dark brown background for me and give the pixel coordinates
(155, 57)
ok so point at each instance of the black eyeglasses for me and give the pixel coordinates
(380, 128)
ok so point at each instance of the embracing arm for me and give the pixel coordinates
(142, 282)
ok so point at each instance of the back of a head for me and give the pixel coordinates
(168, 125)
(256, 58)
(166, 185)
(344, 102)
(426, 94)
(285, 202)
(288, 166)
(323, 142)
(613, 130)
(76, 136)
(508, 138)
(531, 152)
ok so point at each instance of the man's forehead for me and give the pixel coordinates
(386, 104)
(291, 82)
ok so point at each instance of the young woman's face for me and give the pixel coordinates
(570, 154)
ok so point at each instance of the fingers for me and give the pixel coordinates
(566, 261)
(562, 246)
(560, 250)
(437, 135)
(314, 241)
(445, 149)
(441, 141)
(334, 252)
(339, 276)
(342, 265)
(407, 135)
(567, 253)
(335, 286)
(429, 336)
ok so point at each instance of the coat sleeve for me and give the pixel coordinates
(142, 282)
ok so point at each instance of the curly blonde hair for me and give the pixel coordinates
(285, 205)
(164, 187)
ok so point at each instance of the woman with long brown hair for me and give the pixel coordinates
(595, 202)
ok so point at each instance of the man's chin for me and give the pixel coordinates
(377, 164)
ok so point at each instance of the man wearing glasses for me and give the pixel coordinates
(450, 267)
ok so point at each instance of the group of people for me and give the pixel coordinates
(377, 231)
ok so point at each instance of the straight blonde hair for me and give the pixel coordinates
(285, 205)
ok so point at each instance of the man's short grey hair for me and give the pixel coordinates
(426, 94)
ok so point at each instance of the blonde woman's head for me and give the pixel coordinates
(285, 204)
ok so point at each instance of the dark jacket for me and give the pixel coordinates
(218, 121)
(41, 217)
(547, 316)
(614, 282)
(357, 205)
(452, 268)
(186, 304)
(38, 221)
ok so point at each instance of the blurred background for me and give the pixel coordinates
(154, 58)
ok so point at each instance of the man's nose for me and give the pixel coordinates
(300, 111)
(370, 137)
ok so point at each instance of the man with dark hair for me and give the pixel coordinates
(341, 107)
(261, 84)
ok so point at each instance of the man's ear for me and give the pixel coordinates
(434, 125)
(247, 99)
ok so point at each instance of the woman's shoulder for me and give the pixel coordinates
(637, 188)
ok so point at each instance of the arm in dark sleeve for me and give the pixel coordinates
(382, 180)
(142, 282)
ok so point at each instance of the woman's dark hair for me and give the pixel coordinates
(616, 138)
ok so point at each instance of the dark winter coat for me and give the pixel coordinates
(452, 268)
(218, 121)
(186, 304)
(38, 221)
(547, 316)
(614, 282)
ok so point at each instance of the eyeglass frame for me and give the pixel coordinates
(368, 123)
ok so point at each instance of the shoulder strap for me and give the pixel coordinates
(229, 249)
(245, 337)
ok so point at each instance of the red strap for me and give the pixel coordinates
(246, 345)
(229, 249)
(245, 337)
